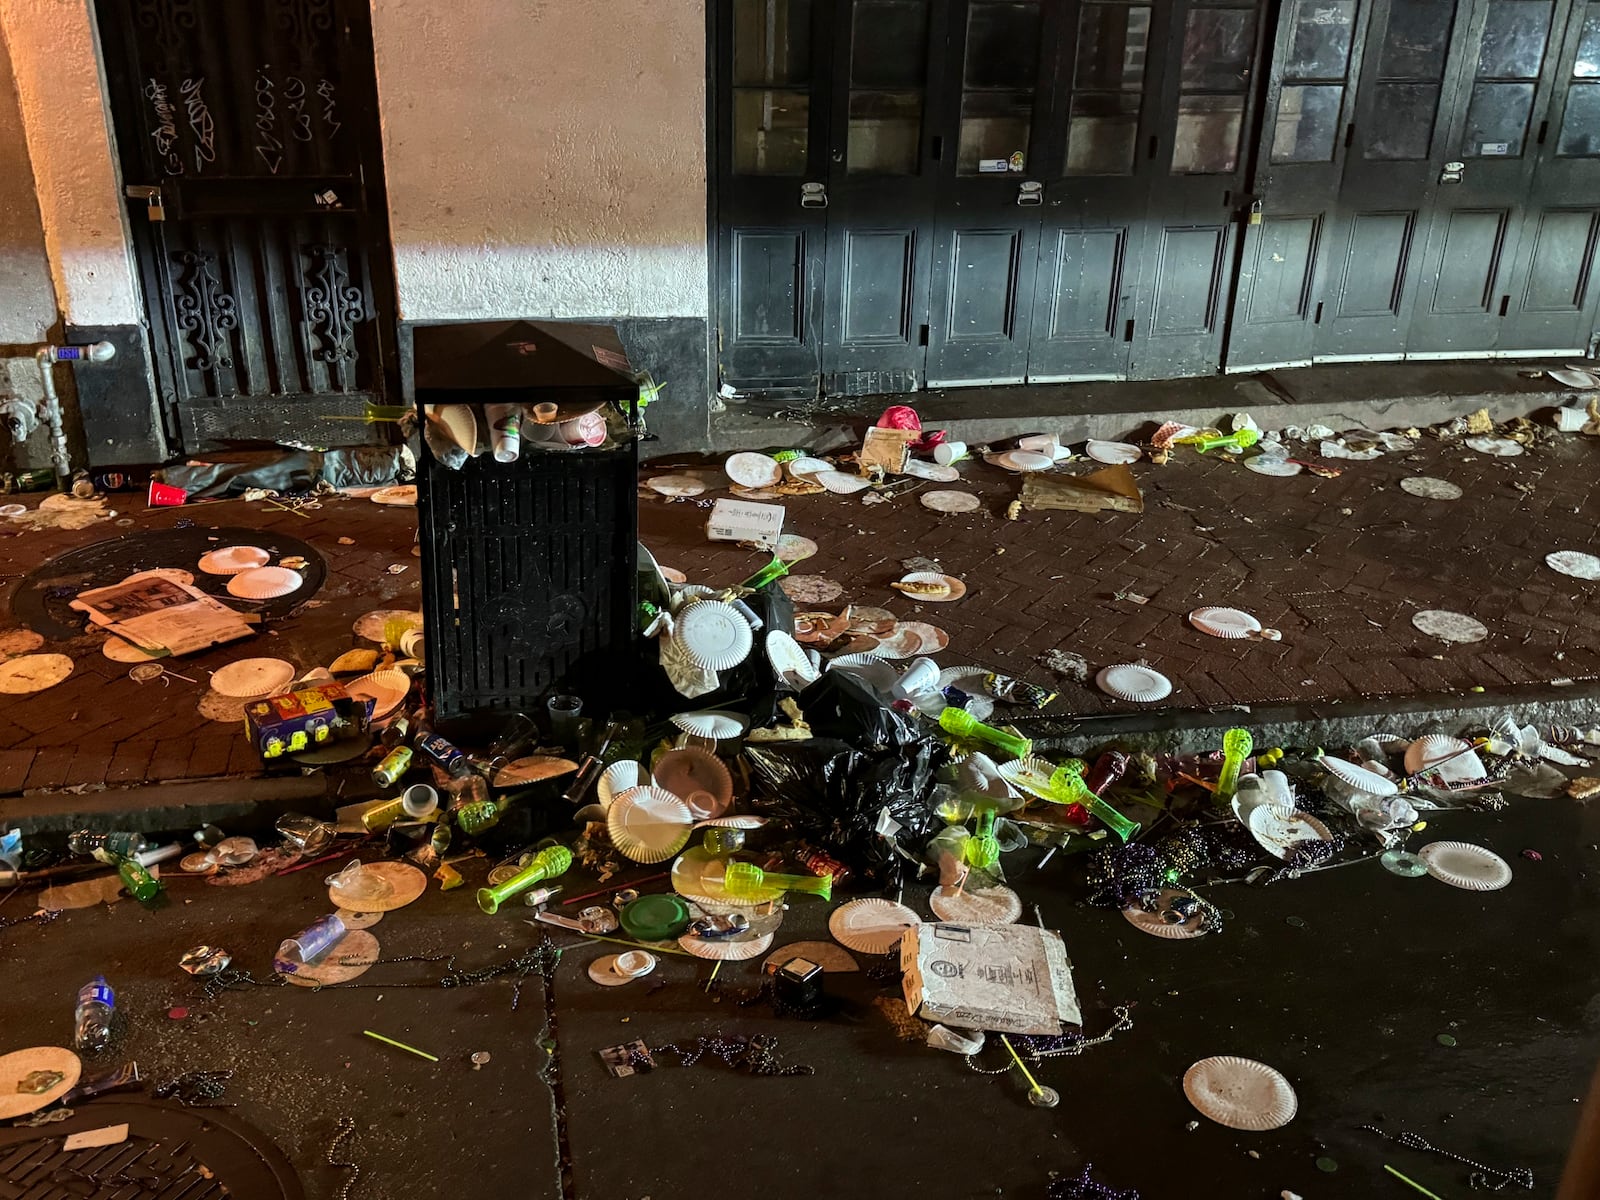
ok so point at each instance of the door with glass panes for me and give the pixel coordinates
(1554, 294)
(1300, 160)
(1490, 146)
(993, 113)
(881, 189)
(771, 135)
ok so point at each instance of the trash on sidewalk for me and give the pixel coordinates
(1003, 978)
(1112, 489)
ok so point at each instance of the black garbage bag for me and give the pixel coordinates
(839, 796)
(840, 706)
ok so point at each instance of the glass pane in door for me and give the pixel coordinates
(1002, 44)
(1514, 36)
(1104, 133)
(1307, 123)
(770, 131)
(1217, 47)
(889, 44)
(1207, 135)
(1415, 41)
(771, 42)
(885, 131)
(1580, 127)
(1497, 120)
(1321, 46)
(1113, 40)
(994, 127)
(1587, 64)
(1402, 127)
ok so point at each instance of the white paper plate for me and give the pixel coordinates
(251, 677)
(840, 483)
(1574, 563)
(976, 906)
(937, 472)
(1359, 778)
(805, 466)
(387, 689)
(616, 779)
(264, 583)
(1279, 835)
(719, 726)
(1429, 488)
(713, 635)
(690, 772)
(811, 590)
(405, 882)
(1151, 922)
(676, 485)
(902, 643)
(1450, 626)
(726, 949)
(789, 661)
(230, 560)
(460, 422)
(752, 470)
(1113, 452)
(369, 626)
(120, 650)
(1280, 468)
(1229, 623)
(531, 769)
(402, 496)
(1496, 447)
(793, 548)
(1129, 681)
(1574, 378)
(871, 926)
(948, 501)
(649, 824)
(33, 673)
(1463, 865)
(1031, 775)
(1023, 461)
(957, 588)
(56, 1060)
(1240, 1093)
(602, 971)
(1451, 757)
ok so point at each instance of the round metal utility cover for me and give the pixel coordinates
(166, 1147)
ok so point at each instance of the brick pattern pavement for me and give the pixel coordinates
(99, 727)
(1338, 565)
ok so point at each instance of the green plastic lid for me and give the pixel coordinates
(655, 918)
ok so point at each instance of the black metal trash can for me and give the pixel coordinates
(528, 567)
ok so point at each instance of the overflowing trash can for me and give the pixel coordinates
(528, 515)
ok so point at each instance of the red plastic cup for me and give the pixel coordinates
(164, 495)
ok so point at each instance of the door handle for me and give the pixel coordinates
(813, 195)
(1030, 194)
(1452, 172)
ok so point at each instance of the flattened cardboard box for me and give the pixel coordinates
(1006, 978)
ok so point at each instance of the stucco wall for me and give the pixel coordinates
(545, 157)
(53, 52)
(27, 301)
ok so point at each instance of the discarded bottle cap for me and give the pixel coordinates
(480, 1058)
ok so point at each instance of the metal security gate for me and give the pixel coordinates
(248, 139)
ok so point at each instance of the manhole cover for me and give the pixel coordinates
(44, 596)
(170, 1152)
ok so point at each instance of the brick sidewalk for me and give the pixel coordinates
(100, 727)
(1338, 565)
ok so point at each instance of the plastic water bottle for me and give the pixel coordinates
(96, 1004)
(123, 843)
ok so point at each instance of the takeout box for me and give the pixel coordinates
(1005, 978)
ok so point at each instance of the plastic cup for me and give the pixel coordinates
(419, 800)
(564, 713)
(920, 676)
(545, 414)
(947, 454)
(587, 430)
(505, 430)
(313, 940)
(632, 963)
(164, 495)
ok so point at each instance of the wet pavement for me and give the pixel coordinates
(1348, 980)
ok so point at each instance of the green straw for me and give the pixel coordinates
(1412, 1182)
(401, 1046)
(1021, 1066)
